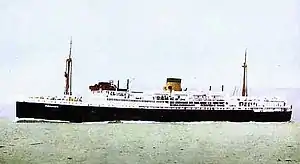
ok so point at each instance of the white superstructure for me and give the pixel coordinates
(176, 100)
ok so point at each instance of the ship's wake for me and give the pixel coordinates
(32, 120)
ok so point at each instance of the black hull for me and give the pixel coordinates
(98, 114)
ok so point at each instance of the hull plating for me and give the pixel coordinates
(97, 114)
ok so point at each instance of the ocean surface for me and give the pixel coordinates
(206, 142)
(140, 142)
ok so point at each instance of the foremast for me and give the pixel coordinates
(245, 90)
(68, 73)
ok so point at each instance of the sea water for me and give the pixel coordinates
(147, 142)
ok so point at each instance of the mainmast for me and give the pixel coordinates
(244, 90)
(68, 73)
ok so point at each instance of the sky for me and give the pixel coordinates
(202, 42)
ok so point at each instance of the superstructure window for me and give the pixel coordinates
(240, 103)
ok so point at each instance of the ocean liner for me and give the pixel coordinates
(109, 102)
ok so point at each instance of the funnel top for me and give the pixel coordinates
(176, 80)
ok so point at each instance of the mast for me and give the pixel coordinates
(68, 73)
(244, 90)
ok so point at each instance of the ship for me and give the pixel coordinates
(108, 102)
